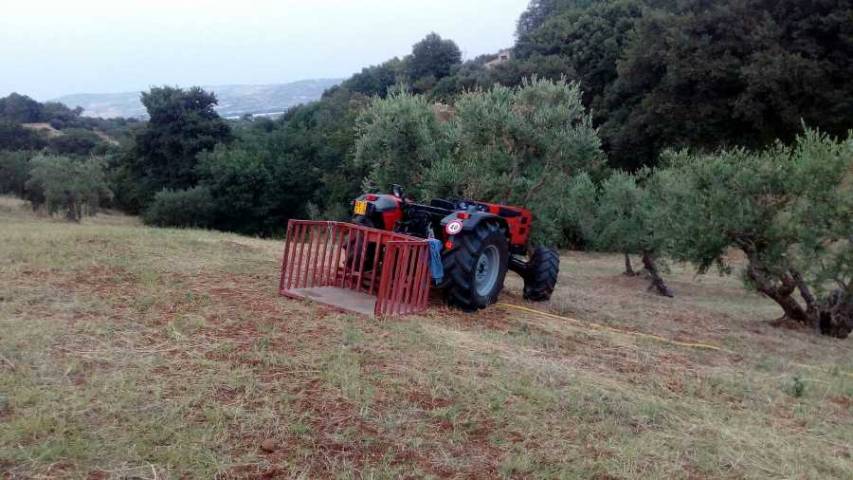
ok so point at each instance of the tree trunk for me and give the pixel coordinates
(835, 317)
(805, 292)
(832, 315)
(779, 293)
(629, 269)
(657, 281)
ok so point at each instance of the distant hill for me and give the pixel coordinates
(234, 100)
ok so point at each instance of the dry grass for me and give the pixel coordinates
(130, 352)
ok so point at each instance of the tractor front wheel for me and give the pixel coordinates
(541, 275)
(476, 267)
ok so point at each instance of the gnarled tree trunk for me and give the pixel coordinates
(629, 269)
(805, 292)
(830, 316)
(835, 317)
(780, 291)
(657, 281)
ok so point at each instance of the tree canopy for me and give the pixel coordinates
(182, 124)
(67, 185)
(787, 208)
(432, 58)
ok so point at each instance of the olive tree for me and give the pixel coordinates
(398, 138)
(68, 185)
(520, 146)
(621, 215)
(787, 208)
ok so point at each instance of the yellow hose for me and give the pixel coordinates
(597, 326)
(616, 330)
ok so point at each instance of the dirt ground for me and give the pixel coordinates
(130, 352)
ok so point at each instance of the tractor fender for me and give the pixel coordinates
(383, 210)
(474, 219)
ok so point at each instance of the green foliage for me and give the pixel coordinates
(399, 138)
(539, 11)
(182, 124)
(623, 216)
(238, 181)
(74, 187)
(756, 201)
(822, 216)
(75, 141)
(16, 137)
(509, 145)
(797, 387)
(584, 44)
(273, 171)
(618, 217)
(193, 207)
(788, 208)
(737, 72)
(433, 57)
(19, 108)
(375, 80)
(313, 150)
(14, 172)
(520, 146)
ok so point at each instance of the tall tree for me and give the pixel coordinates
(19, 108)
(539, 11)
(182, 124)
(736, 72)
(433, 57)
(587, 43)
(375, 80)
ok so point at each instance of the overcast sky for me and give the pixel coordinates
(50, 48)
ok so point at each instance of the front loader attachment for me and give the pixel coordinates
(355, 268)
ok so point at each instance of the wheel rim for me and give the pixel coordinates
(486, 271)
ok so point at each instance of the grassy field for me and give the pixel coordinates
(130, 352)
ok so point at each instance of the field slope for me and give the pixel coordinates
(130, 352)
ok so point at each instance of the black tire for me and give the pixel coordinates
(541, 275)
(354, 245)
(476, 267)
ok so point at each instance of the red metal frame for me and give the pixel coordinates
(320, 254)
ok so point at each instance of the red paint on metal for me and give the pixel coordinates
(318, 255)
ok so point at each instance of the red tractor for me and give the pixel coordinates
(479, 242)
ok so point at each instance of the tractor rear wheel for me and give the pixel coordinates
(541, 275)
(476, 266)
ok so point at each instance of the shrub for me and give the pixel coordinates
(16, 137)
(75, 141)
(14, 172)
(193, 207)
(64, 184)
(239, 183)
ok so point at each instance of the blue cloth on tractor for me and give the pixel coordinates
(436, 268)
